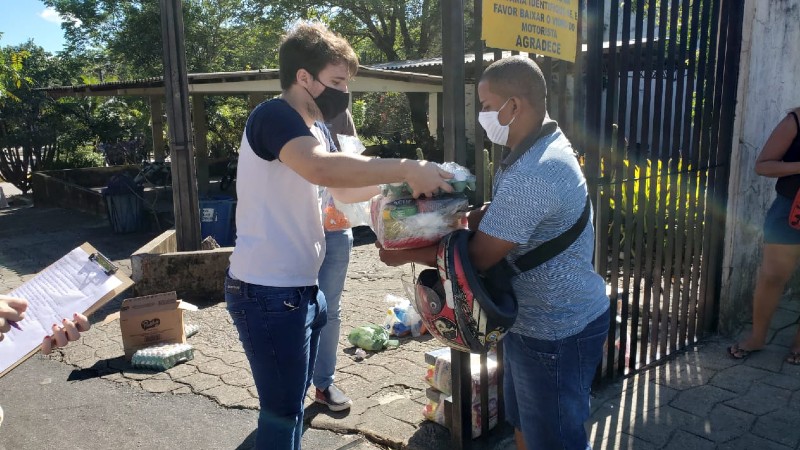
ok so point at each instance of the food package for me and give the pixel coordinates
(440, 378)
(405, 222)
(337, 215)
(434, 411)
(371, 337)
(401, 318)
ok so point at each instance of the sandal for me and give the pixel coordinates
(793, 358)
(736, 352)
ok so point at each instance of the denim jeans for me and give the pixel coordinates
(279, 330)
(331, 282)
(547, 385)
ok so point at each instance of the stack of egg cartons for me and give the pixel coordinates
(162, 356)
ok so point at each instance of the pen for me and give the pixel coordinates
(14, 324)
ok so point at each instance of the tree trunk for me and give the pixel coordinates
(418, 104)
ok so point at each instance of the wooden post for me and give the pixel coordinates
(455, 139)
(200, 127)
(176, 87)
(157, 118)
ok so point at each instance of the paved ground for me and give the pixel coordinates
(88, 396)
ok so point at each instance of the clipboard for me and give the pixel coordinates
(81, 281)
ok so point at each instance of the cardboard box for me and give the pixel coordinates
(152, 319)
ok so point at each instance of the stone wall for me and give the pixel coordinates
(196, 276)
(77, 189)
(768, 88)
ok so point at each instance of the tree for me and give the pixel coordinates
(397, 29)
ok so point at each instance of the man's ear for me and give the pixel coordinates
(303, 77)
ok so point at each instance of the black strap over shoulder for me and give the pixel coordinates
(796, 120)
(553, 247)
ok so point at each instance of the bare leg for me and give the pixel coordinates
(519, 439)
(777, 266)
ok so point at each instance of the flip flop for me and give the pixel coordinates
(793, 358)
(736, 352)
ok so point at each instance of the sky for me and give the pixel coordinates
(21, 20)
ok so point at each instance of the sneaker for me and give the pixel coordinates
(1, 415)
(334, 398)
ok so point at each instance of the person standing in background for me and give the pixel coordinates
(780, 158)
(332, 275)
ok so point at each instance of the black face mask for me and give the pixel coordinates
(331, 102)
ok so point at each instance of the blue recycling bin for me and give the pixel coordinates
(124, 204)
(217, 219)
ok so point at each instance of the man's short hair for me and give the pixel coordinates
(312, 46)
(518, 76)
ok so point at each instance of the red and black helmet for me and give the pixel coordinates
(455, 304)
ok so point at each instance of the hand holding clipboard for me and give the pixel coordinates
(73, 287)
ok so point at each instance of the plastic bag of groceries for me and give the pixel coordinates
(405, 222)
(337, 215)
(401, 318)
(371, 337)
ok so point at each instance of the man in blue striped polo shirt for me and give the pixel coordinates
(555, 346)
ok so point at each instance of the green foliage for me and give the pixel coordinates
(385, 114)
(85, 156)
(359, 112)
(226, 119)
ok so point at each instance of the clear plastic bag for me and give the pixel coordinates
(405, 222)
(337, 215)
(401, 318)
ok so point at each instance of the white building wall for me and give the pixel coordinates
(769, 86)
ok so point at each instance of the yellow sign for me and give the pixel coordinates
(534, 26)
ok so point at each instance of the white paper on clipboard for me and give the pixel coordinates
(73, 284)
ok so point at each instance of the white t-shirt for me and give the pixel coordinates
(279, 235)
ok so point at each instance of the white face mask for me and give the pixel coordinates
(496, 132)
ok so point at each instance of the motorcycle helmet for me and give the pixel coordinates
(455, 304)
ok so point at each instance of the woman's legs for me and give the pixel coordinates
(777, 266)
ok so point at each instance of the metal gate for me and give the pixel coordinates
(649, 103)
(660, 90)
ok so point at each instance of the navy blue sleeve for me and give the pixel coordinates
(271, 125)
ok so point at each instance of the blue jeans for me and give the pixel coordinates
(279, 330)
(331, 282)
(547, 385)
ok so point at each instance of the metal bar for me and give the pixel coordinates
(594, 87)
(641, 198)
(660, 315)
(697, 201)
(614, 163)
(484, 389)
(461, 429)
(681, 271)
(579, 120)
(176, 86)
(649, 205)
(626, 184)
(705, 137)
(480, 181)
(670, 339)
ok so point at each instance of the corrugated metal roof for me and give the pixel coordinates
(432, 62)
(222, 78)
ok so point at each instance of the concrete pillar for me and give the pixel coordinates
(200, 127)
(157, 119)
